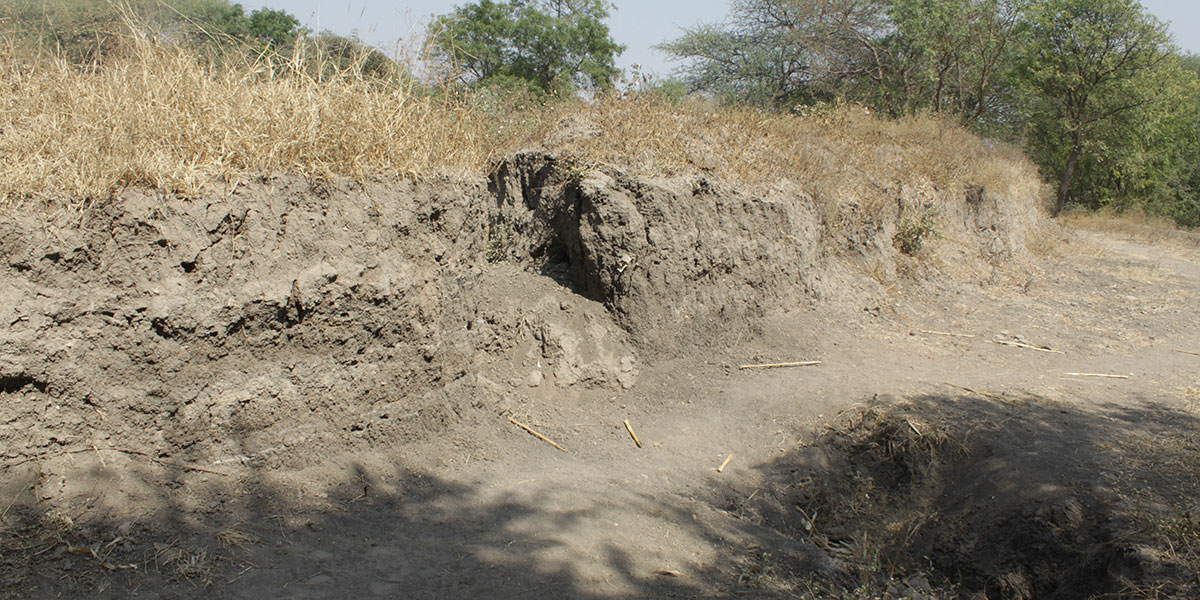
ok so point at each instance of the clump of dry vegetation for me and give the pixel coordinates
(160, 114)
(1135, 225)
(836, 151)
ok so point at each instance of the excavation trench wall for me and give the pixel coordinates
(692, 257)
(249, 321)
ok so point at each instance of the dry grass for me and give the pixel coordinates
(156, 114)
(855, 165)
(235, 537)
(1132, 224)
(835, 152)
(160, 116)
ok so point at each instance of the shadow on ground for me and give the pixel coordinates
(1010, 498)
(991, 498)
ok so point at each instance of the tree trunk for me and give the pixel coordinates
(1064, 185)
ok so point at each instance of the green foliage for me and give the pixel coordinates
(1094, 70)
(501, 238)
(84, 32)
(328, 54)
(898, 56)
(956, 56)
(199, 18)
(670, 90)
(917, 225)
(273, 28)
(1090, 87)
(781, 53)
(555, 46)
(1182, 203)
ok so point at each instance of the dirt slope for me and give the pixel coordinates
(298, 391)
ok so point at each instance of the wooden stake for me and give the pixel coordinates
(1027, 346)
(1099, 375)
(1188, 352)
(962, 335)
(629, 428)
(535, 434)
(725, 464)
(807, 363)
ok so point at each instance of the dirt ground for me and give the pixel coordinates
(350, 434)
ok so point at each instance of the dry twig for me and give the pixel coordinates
(914, 428)
(1028, 347)
(721, 468)
(1099, 375)
(976, 392)
(629, 428)
(806, 363)
(962, 335)
(535, 434)
(166, 463)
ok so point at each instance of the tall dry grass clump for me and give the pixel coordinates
(158, 114)
(837, 153)
(863, 171)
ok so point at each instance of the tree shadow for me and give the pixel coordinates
(988, 496)
(1005, 497)
(400, 534)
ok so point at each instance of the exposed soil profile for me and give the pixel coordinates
(296, 389)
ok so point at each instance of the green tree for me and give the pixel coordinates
(86, 31)
(550, 45)
(956, 56)
(1095, 70)
(198, 18)
(950, 56)
(1183, 203)
(780, 53)
(274, 28)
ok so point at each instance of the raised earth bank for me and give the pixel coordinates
(240, 365)
(277, 315)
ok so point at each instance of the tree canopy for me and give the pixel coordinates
(1092, 88)
(554, 46)
(1095, 69)
(84, 31)
(784, 52)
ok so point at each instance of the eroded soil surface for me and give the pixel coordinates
(920, 458)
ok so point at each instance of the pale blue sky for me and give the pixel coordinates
(637, 24)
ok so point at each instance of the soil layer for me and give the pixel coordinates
(302, 390)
